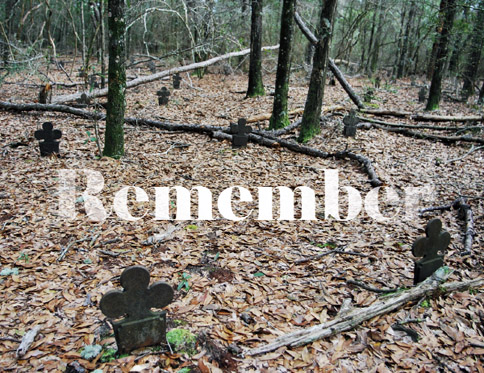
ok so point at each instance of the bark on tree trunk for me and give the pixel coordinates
(477, 42)
(448, 10)
(312, 110)
(256, 85)
(332, 65)
(279, 118)
(375, 53)
(406, 39)
(114, 137)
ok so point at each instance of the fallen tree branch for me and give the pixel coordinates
(420, 126)
(431, 286)
(267, 116)
(444, 118)
(371, 288)
(213, 131)
(157, 76)
(382, 112)
(332, 66)
(422, 117)
(426, 136)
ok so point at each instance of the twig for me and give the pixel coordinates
(472, 150)
(108, 252)
(69, 245)
(334, 251)
(371, 288)
(27, 341)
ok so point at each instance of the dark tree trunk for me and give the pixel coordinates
(312, 110)
(402, 64)
(5, 37)
(477, 41)
(448, 10)
(375, 53)
(279, 118)
(399, 41)
(114, 138)
(256, 86)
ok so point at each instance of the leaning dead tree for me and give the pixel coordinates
(332, 66)
(433, 285)
(266, 138)
(151, 78)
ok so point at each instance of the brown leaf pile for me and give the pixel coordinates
(245, 286)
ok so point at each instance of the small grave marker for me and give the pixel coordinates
(422, 95)
(176, 81)
(49, 135)
(163, 96)
(141, 327)
(377, 82)
(431, 248)
(152, 67)
(240, 132)
(350, 121)
(93, 83)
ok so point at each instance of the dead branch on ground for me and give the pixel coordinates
(431, 286)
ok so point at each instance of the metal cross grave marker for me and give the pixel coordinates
(49, 145)
(422, 95)
(350, 122)
(176, 81)
(240, 132)
(163, 96)
(141, 327)
(431, 248)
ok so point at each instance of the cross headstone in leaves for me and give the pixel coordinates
(141, 327)
(93, 81)
(422, 95)
(176, 81)
(350, 121)
(240, 132)
(152, 67)
(49, 145)
(163, 95)
(431, 248)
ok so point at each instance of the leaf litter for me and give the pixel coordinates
(244, 285)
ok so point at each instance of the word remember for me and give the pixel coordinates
(225, 202)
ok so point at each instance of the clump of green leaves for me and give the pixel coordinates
(184, 277)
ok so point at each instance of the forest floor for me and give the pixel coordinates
(243, 284)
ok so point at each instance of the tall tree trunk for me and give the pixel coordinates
(256, 86)
(7, 30)
(279, 118)
(448, 10)
(371, 43)
(399, 41)
(103, 45)
(375, 53)
(477, 41)
(114, 137)
(312, 110)
(402, 63)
